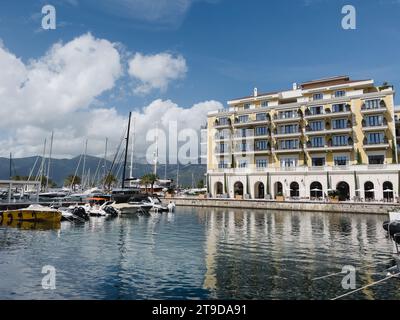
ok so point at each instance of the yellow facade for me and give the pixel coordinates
(324, 122)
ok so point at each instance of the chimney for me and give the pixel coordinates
(295, 86)
(255, 92)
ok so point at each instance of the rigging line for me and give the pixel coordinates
(121, 163)
(116, 154)
(33, 168)
(341, 272)
(367, 286)
(76, 172)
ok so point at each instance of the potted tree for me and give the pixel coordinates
(279, 196)
(333, 195)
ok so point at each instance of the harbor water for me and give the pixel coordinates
(199, 254)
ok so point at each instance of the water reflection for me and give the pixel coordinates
(199, 253)
(276, 255)
(30, 225)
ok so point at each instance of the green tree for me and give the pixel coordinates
(149, 179)
(51, 184)
(109, 180)
(72, 181)
(200, 184)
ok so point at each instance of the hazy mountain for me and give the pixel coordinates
(61, 168)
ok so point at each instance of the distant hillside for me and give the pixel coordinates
(61, 168)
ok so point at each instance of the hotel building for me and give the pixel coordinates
(322, 137)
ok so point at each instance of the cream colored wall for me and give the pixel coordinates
(358, 134)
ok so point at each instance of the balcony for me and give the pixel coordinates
(383, 144)
(248, 134)
(345, 110)
(282, 149)
(379, 126)
(287, 134)
(296, 116)
(222, 125)
(241, 123)
(328, 130)
(222, 137)
(378, 108)
(222, 151)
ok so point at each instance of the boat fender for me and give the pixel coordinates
(10, 218)
(1, 218)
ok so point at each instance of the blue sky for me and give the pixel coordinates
(230, 46)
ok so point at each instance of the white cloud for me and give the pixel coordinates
(156, 71)
(61, 91)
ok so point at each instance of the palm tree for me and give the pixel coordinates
(109, 180)
(72, 181)
(149, 179)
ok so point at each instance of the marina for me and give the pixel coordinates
(218, 254)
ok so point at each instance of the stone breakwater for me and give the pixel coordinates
(340, 207)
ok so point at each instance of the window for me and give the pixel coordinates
(261, 163)
(339, 123)
(246, 106)
(373, 121)
(243, 164)
(317, 126)
(261, 145)
(264, 104)
(317, 142)
(223, 148)
(340, 141)
(318, 96)
(223, 165)
(288, 162)
(289, 144)
(339, 107)
(318, 162)
(261, 131)
(376, 159)
(291, 128)
(340, 160)
(243, 119)
(316, 110)
(340, 93)
(375, 138)
(223, 121)
(243, 147)
(372, 104)
(287, 114)
(261, 116)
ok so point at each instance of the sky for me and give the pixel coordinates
(170, 60)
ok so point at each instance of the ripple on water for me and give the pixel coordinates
(199, 254)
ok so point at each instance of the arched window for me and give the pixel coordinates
(316, 190)
(294, 190)
(343, 189)
(369, 192)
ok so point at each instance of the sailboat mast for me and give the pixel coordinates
(156, 153)
(84, 164)
(126, 150)
(10, 166)
(48, 165)
(43, 163)
(133, 148)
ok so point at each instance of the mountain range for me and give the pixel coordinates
(189, 175)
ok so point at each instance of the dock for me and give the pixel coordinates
(310, 206)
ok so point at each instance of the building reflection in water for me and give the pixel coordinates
(277, 254)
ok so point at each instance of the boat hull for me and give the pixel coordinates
(30, 215)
